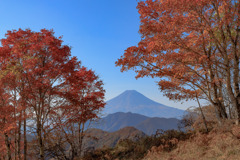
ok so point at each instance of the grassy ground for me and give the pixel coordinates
(219, 144)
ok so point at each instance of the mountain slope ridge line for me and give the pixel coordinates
(135, 102)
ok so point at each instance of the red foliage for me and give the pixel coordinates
(192, 47)
(43, 81)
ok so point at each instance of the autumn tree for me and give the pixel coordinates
(83, 96)
(190, 44)
(7, 123)
(9, 113)
(41, 68)
(86, 100)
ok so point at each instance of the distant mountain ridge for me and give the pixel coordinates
(148, 125)
(135, 102)
(96, 138)
(151, 125)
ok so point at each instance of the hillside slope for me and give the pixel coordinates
(221, 143)
(96, 138)
(215, 145)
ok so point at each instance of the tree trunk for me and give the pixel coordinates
(203, 117)
(81, 138)
(7, 143)
(25, 136)
(238, 114)
(19, 136)
(40, 141)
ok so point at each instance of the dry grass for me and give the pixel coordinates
(220, 144)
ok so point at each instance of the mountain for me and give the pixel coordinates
(135, 102)
(149, 125)
(96, 138)
(116, 121)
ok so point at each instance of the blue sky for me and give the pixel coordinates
(98, 31)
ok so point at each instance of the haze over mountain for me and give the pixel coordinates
(151, 125)
(148, 125)
(118, 120)
(135, 102)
